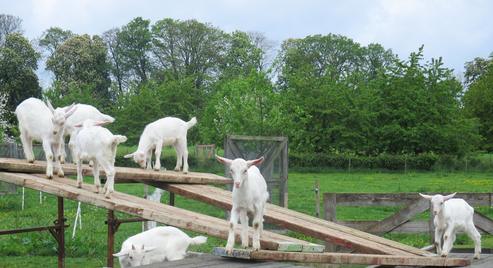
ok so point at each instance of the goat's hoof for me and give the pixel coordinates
(30, 161)
(229, 251)
(476, 256)
(97, 190)
(50, 177)
(79, 185)
(444, 255)
(156, 169)
(61, 174)
(107, 195)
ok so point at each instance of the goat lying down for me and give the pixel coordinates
(452, 215)
(165, 243)
(97, 144)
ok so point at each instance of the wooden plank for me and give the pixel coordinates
(401, 217)
(140, 207)
(342, 258)
(289, 219)
(256, 138)
(483, 222)
(123, 174)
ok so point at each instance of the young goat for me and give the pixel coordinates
(165, 131)
(159, 244)
(452, 215)
(82, 113)
(249, 196)
(96, 143)
(40, 122)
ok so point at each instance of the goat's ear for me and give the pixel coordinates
(78, 125)
(256, 162)
(120, 254)
(48, 103)
(223, 160)
(425, 196)
(100, 123)
(129, 155)
(147, 249)
(70, 111)
(133, 246)
(445, 198)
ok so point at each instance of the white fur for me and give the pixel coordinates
(249, 196)
(41, 122)
(159, 244)
(165, 131)
(452, 215)
(156, 197)
(97, 144)
(82, 113)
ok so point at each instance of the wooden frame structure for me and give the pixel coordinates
(278, 150)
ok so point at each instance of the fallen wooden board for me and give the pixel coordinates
(123, 174)
(137, 206)
(341, 258)
(306, 224)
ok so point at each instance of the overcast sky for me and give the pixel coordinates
(457, 30)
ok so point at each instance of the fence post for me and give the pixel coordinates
(316, 188)
(330, 204)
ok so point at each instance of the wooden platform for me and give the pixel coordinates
(341, 258)
(137, 206)
(306, 224)
(123, 174)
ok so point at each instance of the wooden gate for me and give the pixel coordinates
(275, 166)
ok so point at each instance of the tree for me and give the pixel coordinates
(9, 24)
(476, 68)
(115, 58)
(478, 103)
(18, 80)
(53, 38)
(81, 61)
(243, 55)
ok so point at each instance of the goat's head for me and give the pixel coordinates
(238, 168)
(138, 157)
(59, 116)
(135, 256)
(437, 201)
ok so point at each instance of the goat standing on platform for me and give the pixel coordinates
(158, 244)
(249, 196)
(452, 215)
(165, 131)
(41, 122)
(98, 144)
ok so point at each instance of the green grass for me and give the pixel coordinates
(88, 248)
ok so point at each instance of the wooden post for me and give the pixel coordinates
(284, 174)
(111, 237)
(60, 222)
(330, 205)
(316, 188)
(171, 200)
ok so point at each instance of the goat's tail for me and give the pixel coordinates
(107, 118)
(117, 139)
(198, 240)
(192, 122)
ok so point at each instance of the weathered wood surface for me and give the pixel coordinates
(306, 224)
(342, 258)
(399, 199)
(137, 206)
(123, 174)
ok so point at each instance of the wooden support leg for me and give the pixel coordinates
(59, 233)
(171, 199)
(111, 237)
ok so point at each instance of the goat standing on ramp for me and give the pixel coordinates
(249, 195)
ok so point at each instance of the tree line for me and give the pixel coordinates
(327, 93)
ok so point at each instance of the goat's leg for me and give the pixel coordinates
(257, 221)
(231, 235)
(95, 171)
(244, 228)
(58, 164)
(110, 178)
(27, 146)
(473, 233)
(448, 241)
(438, 240)
(179, 156)
(149, 160)
(157, 152)
(184, 153)
(49, 158)
(80, 178)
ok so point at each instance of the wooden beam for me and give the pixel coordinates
(140, 207)
(292, 220)
(483, 222)
(123, 174)
(342, 258)
(256, 138)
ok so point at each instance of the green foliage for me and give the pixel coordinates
(53, 38)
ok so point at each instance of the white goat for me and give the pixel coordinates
(82, 113)
(98, 144)
(156, 197)
(249, 195)
(165, 131)
(159, 244)
(40, 122)
(452, 215)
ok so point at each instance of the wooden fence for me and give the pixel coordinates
(403, 221)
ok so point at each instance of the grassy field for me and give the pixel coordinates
(88, 247)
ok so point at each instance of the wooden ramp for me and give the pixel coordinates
(123, 174)
(306, 224)
(137, 206)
